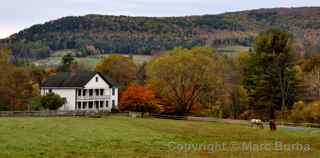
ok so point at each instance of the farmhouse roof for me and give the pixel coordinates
(79, 79)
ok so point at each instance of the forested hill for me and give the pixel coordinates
(94, 34)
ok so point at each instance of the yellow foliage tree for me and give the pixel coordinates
(183, 76)
(15, 84)
(120, 68)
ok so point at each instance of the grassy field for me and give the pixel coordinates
(230, 50)
(91, 61)
(120, 136)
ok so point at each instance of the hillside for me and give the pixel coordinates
(98, 34)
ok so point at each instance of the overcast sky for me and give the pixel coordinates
(16, 15)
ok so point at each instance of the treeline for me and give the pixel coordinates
(97, 34)
(18, 85)
(100, 34)
(271, 81)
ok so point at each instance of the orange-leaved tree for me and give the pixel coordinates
(140, 99)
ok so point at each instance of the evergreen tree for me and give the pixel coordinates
(271, 79)
(67, 60)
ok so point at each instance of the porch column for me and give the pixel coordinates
(81, 103)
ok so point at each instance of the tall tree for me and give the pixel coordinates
(15, 84)
(311, 78)
(271, 78)
(141, 74)
(19, 88)
(239, 95)
(5, 66)
(182, 76)
(120, 68)
(67, 62)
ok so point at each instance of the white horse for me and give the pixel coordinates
(256, 122)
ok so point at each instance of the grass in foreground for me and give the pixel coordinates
(119, 136)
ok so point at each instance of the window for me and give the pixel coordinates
(84, 92)
(90, 105)
(84, 105)
(79, 92)
(97, 79)
(107, 103)
(90, 92)
(97, 92)
(101, 104)
(113, 91)
(50, 90)
(96, 103)
(79, 105)
(101, 92)
(113, 103)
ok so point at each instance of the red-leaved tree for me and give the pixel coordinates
(140, 99)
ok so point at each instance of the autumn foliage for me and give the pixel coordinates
(139, 98)
(16, 84)
(120, 68)
(183, 77)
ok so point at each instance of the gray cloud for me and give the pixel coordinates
(16, 15)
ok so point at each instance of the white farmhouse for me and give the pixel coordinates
(83, 91)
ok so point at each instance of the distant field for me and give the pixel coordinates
(91, 61)
(120, 136)
(232, 49)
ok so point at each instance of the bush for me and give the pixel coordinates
(52, 101)
(114, 110)
(36, 103)
(302, 112)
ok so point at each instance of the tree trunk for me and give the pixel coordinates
(272, 112)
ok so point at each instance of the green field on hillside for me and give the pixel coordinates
(121, 136)
(91, 61)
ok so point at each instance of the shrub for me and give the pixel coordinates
(36, 103)
(52, 101)
(302, 112)
(114, 110)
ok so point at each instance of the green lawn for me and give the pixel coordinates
(120, 136)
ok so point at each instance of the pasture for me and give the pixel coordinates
(121, 136)
(89, 61)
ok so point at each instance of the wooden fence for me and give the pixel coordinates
(213, 119)
(174, 117)
(106, 113)
(313, 125)
(53, 113)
